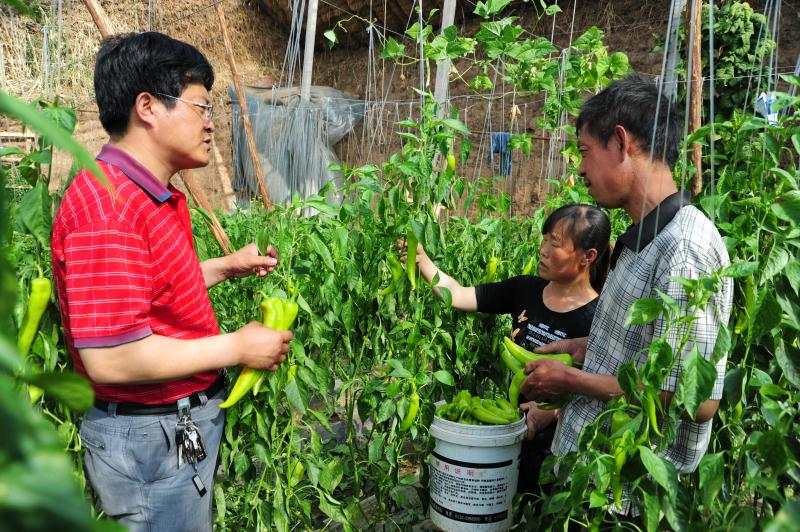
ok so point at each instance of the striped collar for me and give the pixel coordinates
(135, 171)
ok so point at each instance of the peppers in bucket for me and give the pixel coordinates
(278, 314)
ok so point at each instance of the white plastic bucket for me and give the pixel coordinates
(473, 474)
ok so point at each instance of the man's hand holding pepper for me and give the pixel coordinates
(546, 380)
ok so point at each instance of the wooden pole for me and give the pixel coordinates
(308, 51)
(100, 18)
(443, 67)
(200, 198)
(696, 102)
(228, 196)
(240, 94)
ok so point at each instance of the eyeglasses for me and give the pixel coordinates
(208, 109)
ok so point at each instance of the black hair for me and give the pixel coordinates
(631, 102)
(589, 228)
(132, 63)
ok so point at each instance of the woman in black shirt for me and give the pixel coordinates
(559, 303)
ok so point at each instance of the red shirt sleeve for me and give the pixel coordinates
(109, 284)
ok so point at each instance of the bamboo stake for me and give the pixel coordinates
(224, 177)
(696, 102)
(100, 18)
(200, 198)
(240, 94)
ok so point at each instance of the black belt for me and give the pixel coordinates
(134, 409)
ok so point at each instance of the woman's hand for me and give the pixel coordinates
(402, 251)
(536, 418)
(574, 346)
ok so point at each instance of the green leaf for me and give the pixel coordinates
(322, 206)
(376, 447)
(768, 315)
(322, 250)
(652, 507)
(34, 213)
(787, 207)
(444, 377)
(522, 142)
(295, 396)
(23, 7)
(628, 380)
(740, 269)
(418, 32)
(393, 49)
(9, 358)
(262, 237)
(771, 447)
(303, 304)
(644, 311)
(398, 370)
(597, 499)
(662, 471)
(787, 519)
(330, 36)
(331, 476)
(659, 360)
(71, 389)
(386, 411)
(457, 125)
(759, 378)
(10, 150)
(619, 63)
(481, 83)
(791, 309)
(53, 134)
(490, 7)
(792, 273)
(552, 10)
(712, 474)
(788, 358)
(732, 390)
(697, 381)
(776, 262)
(722, 346)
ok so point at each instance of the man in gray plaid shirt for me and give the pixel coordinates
(628, 165)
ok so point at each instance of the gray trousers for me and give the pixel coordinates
(132, 465)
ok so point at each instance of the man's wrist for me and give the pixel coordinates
(217, 269)
(233, 351)
(573, 380)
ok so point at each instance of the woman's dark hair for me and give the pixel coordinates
(132, 63)
(589, 228)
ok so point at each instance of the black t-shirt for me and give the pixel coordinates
(538, 325)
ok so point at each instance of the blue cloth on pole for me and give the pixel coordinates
(499, 145)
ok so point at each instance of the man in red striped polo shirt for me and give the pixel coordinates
(134, 296)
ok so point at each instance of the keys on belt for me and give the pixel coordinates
(189, 443)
